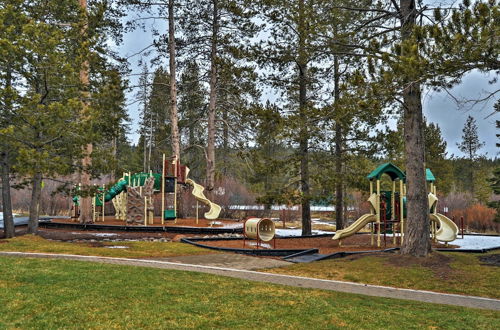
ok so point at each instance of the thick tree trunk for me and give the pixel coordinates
(417, 239)
(339, 186)
(86, 202)
(35, 203)
(176, 149)
(8, 219)
(304, 131)
(339, 191)
(213, 99)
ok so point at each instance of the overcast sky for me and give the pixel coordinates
(438, 107)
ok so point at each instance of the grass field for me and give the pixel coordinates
(30, 243)
(460, 273)
(44, 293)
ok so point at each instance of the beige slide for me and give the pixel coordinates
(447, 231)
(356, 226)
(198, 189)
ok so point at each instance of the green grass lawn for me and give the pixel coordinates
(50, 294)
(30, 243)
(460, 273)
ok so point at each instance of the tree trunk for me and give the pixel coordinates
(417, 239)
(339, 186)
(213, 100)
(304, 130)
(86, 202)
(225, 141)
(35, 203)
(115, 154)
(8, 219)
(173, 83)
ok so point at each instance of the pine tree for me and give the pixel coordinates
(470, 146)
(436, 157)
(46, 127)
(192, 111)
(215, 35)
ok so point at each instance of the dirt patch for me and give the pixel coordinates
(491, 260)
(438, 263)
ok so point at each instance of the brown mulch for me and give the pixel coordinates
(185, 222)
(325, 244)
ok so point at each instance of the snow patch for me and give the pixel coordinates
(105, 234)
(476, 242)
(264, 245)
(298, 232)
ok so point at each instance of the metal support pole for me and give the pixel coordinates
(103, 201)
(163, 191)
(378, 213)
(175, 189)
(401, 210)
(145, 211)
(197, 211)
(393, 211)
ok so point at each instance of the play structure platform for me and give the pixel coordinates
(388, 210)
(182, 226)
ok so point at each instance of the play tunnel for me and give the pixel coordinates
(260, 228)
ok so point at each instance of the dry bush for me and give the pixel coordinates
(455, 201)
(477, 217)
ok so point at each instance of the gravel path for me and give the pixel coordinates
(295, 281)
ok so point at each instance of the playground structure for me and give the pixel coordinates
(261, 229)
(388, 210)
(133, 195)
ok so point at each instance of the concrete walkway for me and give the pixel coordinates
(228, 260)
(295, 281)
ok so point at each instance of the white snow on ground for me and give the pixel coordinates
(319, 222)
(477, 242)
(104, 234)
(264, 245)
(231, 225)
(1, 215)
(298, 232)
(117, 247)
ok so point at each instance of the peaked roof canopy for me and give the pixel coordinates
(388, 168)
(429, 177)
(395, 173)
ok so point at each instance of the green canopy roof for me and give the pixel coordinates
(429, 177)
(390, 169)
